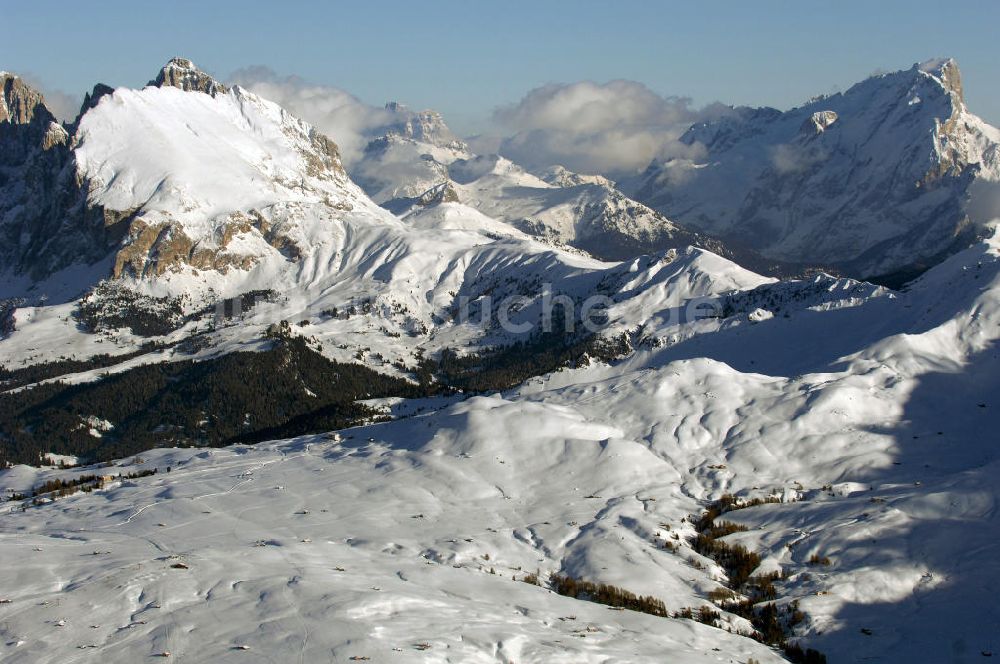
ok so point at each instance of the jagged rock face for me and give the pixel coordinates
(24, 119)
(443, 193)
(91, 99)
(407, 156)
(182, 73)
(395, 167)
(155, 247)
(44, 224)
(20, 103)
(423, 126)
(871, 181)
(819, 122)
(951, 78)
(323, 160)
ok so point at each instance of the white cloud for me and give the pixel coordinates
(484, 143)
(984, 202)
(63, 105)
(338, 114)
(790, 158)
(612, 128)
(616, 127)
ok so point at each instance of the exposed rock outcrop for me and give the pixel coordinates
(44, 222)
(424, 126)
(91, 99)
(182, 73)
(153, 248)
(442, 193)
(20, 104)
(819, 122)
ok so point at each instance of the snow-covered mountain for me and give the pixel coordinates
(200, 193)
(592, 216)
(408, 156)
(417, 162)
(182, 177)
(189, 269)
(873, 181)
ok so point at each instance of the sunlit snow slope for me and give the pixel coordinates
(881, 444)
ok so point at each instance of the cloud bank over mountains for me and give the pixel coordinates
(616, 127)
(64, 105)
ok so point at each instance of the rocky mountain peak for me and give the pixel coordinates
(442, 193)
(560, 176)
(91, 98)
(182, 73)
(426, 126)
(20, 104)
(25, 122)
(818, 122)
(946, 72)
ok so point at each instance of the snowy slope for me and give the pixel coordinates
(317, 550)
(883, 429)
(385, 539)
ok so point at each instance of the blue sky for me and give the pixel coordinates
(467, 58)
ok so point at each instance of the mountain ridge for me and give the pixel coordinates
(871, 181)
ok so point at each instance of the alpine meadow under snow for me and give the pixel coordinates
(263, 403)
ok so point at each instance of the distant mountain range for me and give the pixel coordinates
(874, 181)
